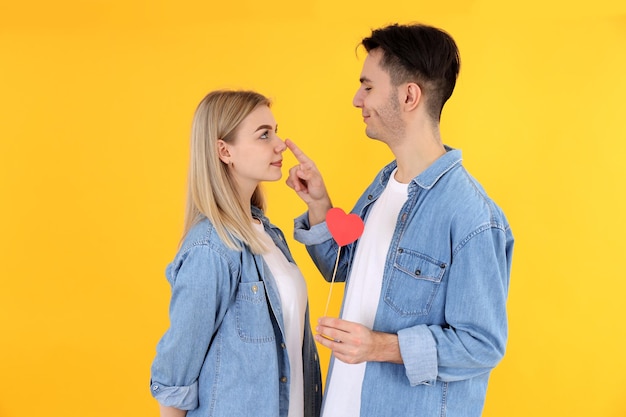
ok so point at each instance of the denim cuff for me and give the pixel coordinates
(304, 233)
(419, 354)
(183, 398)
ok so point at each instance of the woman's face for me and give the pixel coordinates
(255, 154)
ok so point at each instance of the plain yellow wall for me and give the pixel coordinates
(96, 99)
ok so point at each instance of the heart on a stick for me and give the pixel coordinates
(345, 228)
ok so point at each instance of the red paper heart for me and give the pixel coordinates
(345, 228)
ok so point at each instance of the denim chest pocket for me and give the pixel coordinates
(414, 282)
(254, 324)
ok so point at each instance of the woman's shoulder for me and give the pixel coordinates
(202, 251)
(203, 242)
(204, 235)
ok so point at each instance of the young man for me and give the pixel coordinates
(423, 320)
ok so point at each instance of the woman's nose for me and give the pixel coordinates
(281, 147)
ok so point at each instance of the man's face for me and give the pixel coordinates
(378, 100)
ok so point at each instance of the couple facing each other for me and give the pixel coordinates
(423, 319)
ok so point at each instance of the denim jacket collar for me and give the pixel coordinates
(429, 177)
(257, 213)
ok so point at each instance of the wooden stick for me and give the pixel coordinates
(332, 281)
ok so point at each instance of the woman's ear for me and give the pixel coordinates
(223, 152)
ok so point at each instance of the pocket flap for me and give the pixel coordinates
(419, 266)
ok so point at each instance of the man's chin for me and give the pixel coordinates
(373, 135)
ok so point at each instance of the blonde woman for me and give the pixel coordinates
(239, 341)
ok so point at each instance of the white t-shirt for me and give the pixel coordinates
(343, 394)
(293, 299)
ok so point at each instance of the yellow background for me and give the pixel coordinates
(96, 99)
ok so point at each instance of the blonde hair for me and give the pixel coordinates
(212, 192)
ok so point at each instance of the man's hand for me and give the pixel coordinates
(354, 343)
(307, 182)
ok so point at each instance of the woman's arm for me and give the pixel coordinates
(202, 287)
(171, 411)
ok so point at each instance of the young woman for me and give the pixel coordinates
(239, 341)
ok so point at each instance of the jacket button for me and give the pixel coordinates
(404, 217)
(369, 197)
(283, 379)
(255, 289)
(418, 272)
(400, 250)
(282, 345)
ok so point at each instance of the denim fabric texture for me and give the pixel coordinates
(224, 353)
(444, 292)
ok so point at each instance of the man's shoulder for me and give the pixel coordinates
(467, 199)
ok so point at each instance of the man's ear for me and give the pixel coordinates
(412, 96)
(223, 152)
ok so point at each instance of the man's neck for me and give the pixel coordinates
(416, 153)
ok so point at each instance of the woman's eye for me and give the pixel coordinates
(265, 134)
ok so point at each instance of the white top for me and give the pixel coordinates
(293, 299)
(343, 394)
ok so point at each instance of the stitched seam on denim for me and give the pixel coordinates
(493, 220)
(479, 230)
(427, 260)
(444, 399)
(217, 341)
(255, 340)
(208, 240)
(444, 171)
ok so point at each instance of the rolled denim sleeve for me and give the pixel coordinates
(201, 287)
(183, 398)
(304, 233)
(322, 248)
(419, 354)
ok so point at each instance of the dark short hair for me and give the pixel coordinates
(422, 54)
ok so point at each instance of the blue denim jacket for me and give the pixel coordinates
(224, 353)
(444, 292)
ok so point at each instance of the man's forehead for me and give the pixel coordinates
(371, 67)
